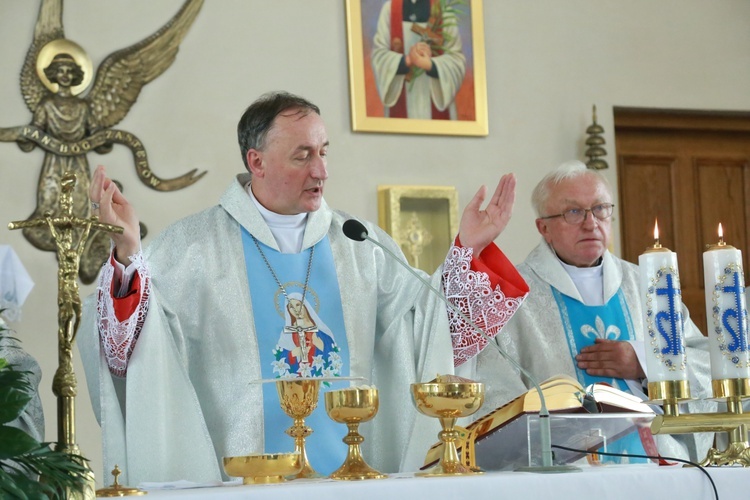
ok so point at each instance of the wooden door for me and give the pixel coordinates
(691, 171)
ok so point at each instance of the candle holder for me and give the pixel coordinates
(733, 421)
(727, 331)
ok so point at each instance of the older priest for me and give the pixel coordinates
(266, 285)
(583, 316)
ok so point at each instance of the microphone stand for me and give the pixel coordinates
(545, 434)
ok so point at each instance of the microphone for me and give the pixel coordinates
(355, 230)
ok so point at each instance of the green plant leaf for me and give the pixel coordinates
(15, 442)
(33, 490)
(15, 393)
(60, 471)
(9, 487)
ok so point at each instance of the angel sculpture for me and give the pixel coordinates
(67, 125)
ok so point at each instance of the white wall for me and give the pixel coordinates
(547, 62)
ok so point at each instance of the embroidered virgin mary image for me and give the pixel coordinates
(306, 346)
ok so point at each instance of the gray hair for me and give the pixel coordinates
(572, 169)
(259, 117)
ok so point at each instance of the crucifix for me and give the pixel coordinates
(70, 234)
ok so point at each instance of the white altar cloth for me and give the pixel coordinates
(595, 483)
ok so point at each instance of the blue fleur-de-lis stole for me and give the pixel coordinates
(584, 324)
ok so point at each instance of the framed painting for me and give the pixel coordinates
(417, 67)
(423, 220)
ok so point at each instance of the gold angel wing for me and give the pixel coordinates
(48, 27)
(123, 73)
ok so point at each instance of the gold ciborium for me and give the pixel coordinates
(264, 468)
(351, 407)
(448, 398)
(298, 398)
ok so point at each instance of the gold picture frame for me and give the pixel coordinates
(469, 104)
(423, 220)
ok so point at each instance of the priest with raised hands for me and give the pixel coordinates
(179, 336)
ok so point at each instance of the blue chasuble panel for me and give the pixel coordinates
(299, 337)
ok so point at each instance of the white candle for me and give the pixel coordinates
(726, 311)
(661, 298)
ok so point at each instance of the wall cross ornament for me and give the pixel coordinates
(67, 125)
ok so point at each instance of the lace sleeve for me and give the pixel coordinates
(117, 337)
(471, 292)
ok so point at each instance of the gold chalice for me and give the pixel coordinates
(448, 400)
(298, 398)
(351, 407)
(264, 468)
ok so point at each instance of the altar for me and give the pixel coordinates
(593, 482)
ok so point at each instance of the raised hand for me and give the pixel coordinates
(115, 209)
(478, 227)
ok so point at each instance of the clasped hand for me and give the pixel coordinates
(420, 55)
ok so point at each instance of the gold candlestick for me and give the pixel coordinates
(733, 421)
(670, 393)
(738, 448)
(70, 234)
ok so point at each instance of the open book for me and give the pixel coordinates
(562, 393)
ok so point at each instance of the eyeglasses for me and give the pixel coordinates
(602, 211)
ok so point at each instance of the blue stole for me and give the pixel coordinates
(582, 325)
(311, 343)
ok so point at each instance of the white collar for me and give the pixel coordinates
(589, 281)
(583, 272)
(288, 230)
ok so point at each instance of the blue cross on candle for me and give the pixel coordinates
(739, 337)
(672, 316)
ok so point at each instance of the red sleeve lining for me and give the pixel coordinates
(126, 305)
(493, 262)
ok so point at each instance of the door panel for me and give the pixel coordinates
(690, 171)
(646, 188)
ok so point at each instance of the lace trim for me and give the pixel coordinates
(118, 338)
(471, 292)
